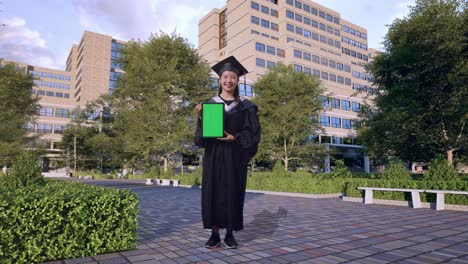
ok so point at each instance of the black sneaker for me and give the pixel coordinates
(230, 241)
(214, 241)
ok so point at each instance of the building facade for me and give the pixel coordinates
(92, 69)
(312, 38)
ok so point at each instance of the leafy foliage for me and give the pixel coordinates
(396, 170)
(65, 220)
(17, 108)
(421, 109)
(440, 170)
(154, 101)
(288, 101)
(26, 171)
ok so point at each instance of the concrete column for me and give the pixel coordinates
(366, 164)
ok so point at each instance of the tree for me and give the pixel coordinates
(17, 108)
(421, 109)
(288, 104)
(154, 101)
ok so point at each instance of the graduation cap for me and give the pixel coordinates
(229, 64)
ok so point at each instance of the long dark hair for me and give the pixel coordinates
(236, 91)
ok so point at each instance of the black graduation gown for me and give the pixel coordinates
(225, 165)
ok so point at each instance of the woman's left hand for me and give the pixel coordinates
(228, 138)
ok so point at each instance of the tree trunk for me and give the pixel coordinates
(74, 156)
(165, 164)
(450, 156)
(286, 159)
(182, 164)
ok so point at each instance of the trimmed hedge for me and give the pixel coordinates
(65, 220)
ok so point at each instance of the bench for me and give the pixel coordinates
(440, 202)
(164, 182)
(415, 198)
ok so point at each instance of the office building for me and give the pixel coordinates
(315, 40)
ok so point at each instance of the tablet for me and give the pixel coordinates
(213, 120)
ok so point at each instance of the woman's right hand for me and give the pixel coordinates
(198, 108)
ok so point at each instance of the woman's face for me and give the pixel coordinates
(229, 81)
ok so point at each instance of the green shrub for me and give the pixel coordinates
(25, 171)
(396, 170)
(439, 170)
(279, 169)
(339, 171)
(65, 220)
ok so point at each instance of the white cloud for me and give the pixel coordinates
(126, 20)
(21, 44)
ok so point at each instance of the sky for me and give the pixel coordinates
(41, 33)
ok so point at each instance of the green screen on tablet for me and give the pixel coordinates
(213, 120)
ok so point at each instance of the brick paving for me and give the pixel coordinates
(279, 229)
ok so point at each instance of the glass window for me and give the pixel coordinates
(336, 32)
(329, 29)
(297, 68)
(322, 27)
(325, 101)
(44, 128)
(323, 39)
(58, 129)
(66, 95)
(298, 4)
(316, 73)
(336, 20)
(259, 47)
(348, 81)
(298, 17)
(46, 111)
(329, 18)
(314, 24)
(331, 64)
(299, 31)
(40, 92)
(340, 79)
(346, 123)
(325, 121)
(274, 26)
(290, 27)
(254, 5)
(307, 70)
(307, 34)
(289, 14)
(50, 93)
(260, 63)
(60, 95)
(298, 54)
(270, 64)
(59, 112)
(265, 10)
(356, 107)
(324, 75)
(315, 58)
(335, 103)
(330, 42)
(274, 13)
(313, 11)
(290, 2)
(271, 50)
(337, 44)
(306, 8)
(51, 75)
(336, 122)
(322, 14)
(347, 68)
(324, 61)
(280, 53)
(346, 105)
(337, 140)
(339, 66)
(315, 36)
(307, 56)
(255, 20)
(265, 23)
(332, 77)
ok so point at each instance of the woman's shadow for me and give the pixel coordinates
(264, 224)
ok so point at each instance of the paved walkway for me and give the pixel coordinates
(291, 230)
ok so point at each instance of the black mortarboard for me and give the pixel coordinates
(229, 64)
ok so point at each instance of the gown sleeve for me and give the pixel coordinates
(199, 140)
(249, 136)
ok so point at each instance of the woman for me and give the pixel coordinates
(225, 159)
